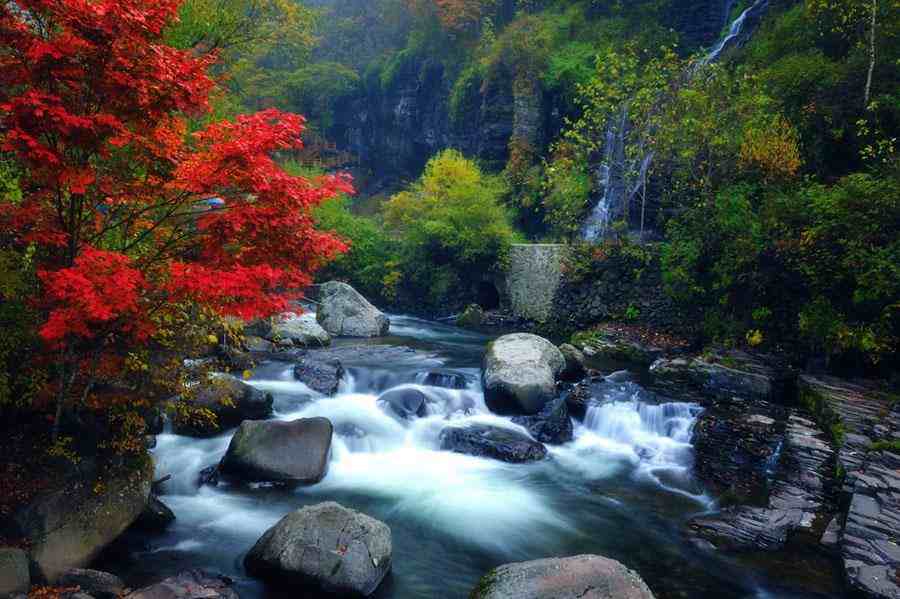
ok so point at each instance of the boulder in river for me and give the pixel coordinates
(231, 401)
(326, 547)
(294, 452)
(345, 313)
(193, 584)
(483, 440)
(97, 584)
(298, 330)
(578, 577)
(550, 425)
(69, 526)
(519, 373)
(14, 575)
(321, 375)
(405, 402)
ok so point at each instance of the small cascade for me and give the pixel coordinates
(620, 179)
(738, 32)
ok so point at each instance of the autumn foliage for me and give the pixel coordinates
(128, 209)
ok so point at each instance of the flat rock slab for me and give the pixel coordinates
(326, 547)
(579, 577)
(728, 374)
(800, 496)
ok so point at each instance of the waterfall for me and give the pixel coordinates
(621, 179)
(736, 33)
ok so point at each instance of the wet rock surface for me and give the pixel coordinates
(97, 584)
(194, 584)
(322, 375)
(801, 495)
(294, 452)
(550, 425)
(345, 313)
(487, 441)
(728, 374)
(519, 373)
(404, 403)
(156, 516)
(327, 547)
(579, 577)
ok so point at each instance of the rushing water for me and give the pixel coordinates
(622, 488)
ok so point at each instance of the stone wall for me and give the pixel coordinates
(620, 289)
(533, 277)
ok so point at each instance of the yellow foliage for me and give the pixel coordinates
(773, 149)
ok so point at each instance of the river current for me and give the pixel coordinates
(623, 488)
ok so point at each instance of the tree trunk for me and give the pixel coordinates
(872, 55)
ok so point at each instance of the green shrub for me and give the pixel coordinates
(452, 229)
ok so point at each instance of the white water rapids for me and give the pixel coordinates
(622, 487)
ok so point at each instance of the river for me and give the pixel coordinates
(622, 488)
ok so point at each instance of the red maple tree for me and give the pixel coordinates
(126, 210)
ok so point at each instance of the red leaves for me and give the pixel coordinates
(93, 105)
(102, 287)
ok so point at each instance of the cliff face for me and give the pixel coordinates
(395, 124)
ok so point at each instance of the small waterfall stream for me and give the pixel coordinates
(621, 179)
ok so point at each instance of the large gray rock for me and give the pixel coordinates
(326, 547)
(519, 373)
(294, 452)
(345, 313)
(97, 584)
(14, 575)
(299, 330)
(230, 400)
(194, 584)
(579, 577)
(487, 441)
(69, 526)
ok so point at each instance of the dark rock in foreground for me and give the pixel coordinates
(294, 452)
(800, 496)
(231, 400)
(551, 425)
(194, 584)
(69, 526)
(156, 516)
(487, 441)
(579, 577)
(97, 584)
(325, 547)
(574, 370)
(736, 448)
